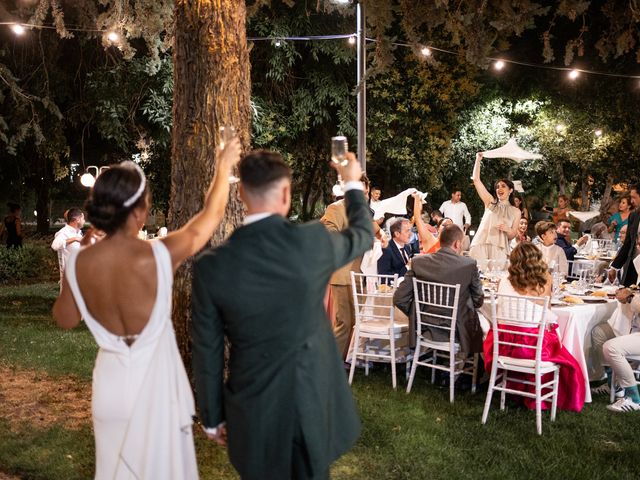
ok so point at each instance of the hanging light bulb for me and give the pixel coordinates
(352, 40)
(278, 43)
(113, 37)
(426, 51)
(498, 65)
(18, 29)
(87, 180)
(573, 74)
(598, 132)
(560, 128)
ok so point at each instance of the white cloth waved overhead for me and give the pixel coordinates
(396, 204)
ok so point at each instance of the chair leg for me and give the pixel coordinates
(435, 361)
(503, 394)
(392, 347)
(366, 360)
(612, 393)
(538, 405)
(474, 373)
(452, 376)
(354, 354)
(554, 402)
(487, 402)
(414, 365)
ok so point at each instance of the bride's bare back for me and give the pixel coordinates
(118, 281)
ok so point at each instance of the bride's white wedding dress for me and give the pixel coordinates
(142, 402)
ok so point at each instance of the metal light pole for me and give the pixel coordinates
(361, 37)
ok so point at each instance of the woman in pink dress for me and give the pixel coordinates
(529, 276)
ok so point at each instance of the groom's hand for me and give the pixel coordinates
(220, 437)
(351, 171)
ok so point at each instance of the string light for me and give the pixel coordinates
(499, 64)
(560, 128)
(598, 132)
(18, 29)
(113, 37)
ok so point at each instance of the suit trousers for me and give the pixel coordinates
(615, 351)
(599, 336)
(342, 299)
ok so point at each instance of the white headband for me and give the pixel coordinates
(143, 183)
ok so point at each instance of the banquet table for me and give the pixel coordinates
(575, 323)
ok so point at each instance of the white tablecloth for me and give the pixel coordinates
(574, 329)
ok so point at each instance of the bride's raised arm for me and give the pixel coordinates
(484, 194)
(195, 234)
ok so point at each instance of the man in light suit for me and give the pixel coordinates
(631, 246)
(447, 266)
(396, 255)
(286, 409)
(335, 220)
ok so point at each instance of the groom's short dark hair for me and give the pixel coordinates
(259, 169)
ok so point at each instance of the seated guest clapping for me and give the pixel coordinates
(429, 243)
(551, 253)
(529, 276)
(396, 255)
(447, 266)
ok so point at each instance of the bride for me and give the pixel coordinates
(142, 402)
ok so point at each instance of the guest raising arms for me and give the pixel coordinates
(500, 221)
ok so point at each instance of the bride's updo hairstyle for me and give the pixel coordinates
(527, 268)
(117, 191)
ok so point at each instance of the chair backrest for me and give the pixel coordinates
(518, 322)
(604, 244)
(436, 307)
(373, 297)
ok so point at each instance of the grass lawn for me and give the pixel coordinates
(416, 436)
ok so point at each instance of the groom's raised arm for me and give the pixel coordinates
(207, 337)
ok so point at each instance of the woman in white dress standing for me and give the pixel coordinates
(142, 402)
(500, 221)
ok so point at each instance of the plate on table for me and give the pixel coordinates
(556, 302)
(593, 299)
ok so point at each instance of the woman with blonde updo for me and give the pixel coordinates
(529, 276)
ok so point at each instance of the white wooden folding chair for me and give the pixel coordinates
(514, 319)
(582, 270)
(375, 321)
(436, 306)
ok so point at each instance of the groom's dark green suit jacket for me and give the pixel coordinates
(264, 289)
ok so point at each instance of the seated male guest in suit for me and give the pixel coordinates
(447, 266)
(286, 409)
(396, 255)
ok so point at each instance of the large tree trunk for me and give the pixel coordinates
(211, 88)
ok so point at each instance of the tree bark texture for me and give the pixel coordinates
(212, 88)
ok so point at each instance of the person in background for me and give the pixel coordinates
(621, 217)
(551, 253)
(521, 236)
(395, 257)
(68, 238)
(529, 276)
(519, 202)
(457, 210)
(563, 228)
(599, 231)
(499, 224)
(12, 226)
(375, 196)
(631, 247)
(562, 210)
(615, 352)
(429, 243)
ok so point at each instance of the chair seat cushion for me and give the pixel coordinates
(523, 362)
(382, 326)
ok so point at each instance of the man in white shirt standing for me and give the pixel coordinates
(457, 210)
(68, 237)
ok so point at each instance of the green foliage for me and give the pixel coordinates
(27, 264)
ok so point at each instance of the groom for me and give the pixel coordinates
(285, 409)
